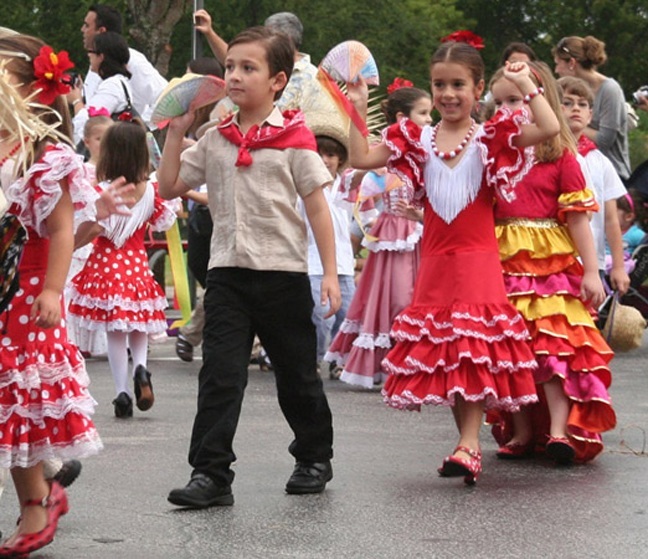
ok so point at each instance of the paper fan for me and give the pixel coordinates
(348, 60)
(189, 92)
(374, 184)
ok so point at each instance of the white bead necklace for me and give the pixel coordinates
(456, 151)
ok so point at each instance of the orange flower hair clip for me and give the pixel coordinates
(397, 84)
(465, 36)
(49, 70)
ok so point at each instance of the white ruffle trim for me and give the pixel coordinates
(400, 245)
(34, 376)
(150, 326)
(429, 317)
(363, 380)
(27, 456)
(416, 366)
(458, 333)
(117, 302)
(60, 163)
(407, 400)
(365, 340)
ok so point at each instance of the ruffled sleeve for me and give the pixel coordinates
(39, 190)
(575, 194)
(505, 164)
(165, 212)
(579, 201)
(408, 154)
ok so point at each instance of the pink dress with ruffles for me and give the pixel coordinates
(45, 405)
(460, 335)
(384, 289)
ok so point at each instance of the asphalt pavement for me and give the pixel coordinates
(385, 500)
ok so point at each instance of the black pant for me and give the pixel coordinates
(199, 242)
(277, 306)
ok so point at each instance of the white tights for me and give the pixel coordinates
(118, 344)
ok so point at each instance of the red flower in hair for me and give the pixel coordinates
(397, 84)
(467, 37)
(49, 69)
(125, 117)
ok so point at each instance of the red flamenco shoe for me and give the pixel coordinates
(560, 450)
(515, 451)
(56, 505)
(469, 468)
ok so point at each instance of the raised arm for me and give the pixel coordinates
(169, 183)
(203, 23)
(545, 122)
(361, 156)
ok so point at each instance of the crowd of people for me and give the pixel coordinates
(489, 240)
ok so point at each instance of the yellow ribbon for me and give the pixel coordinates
(179, 273)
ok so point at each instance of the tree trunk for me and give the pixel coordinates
(153, 23)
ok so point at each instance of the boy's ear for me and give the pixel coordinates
(279, 81)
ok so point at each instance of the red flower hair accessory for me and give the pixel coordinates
(467, 37)
(49, 69)
(125, 117)
(397, 84)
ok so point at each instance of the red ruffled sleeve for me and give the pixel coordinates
(165, 212)
(505, 164)
(408, 154)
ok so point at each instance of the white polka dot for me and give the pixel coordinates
(29, 300)
(42, 336)
(129, 272)
(6, 342)
(57, 333)
(23, 319)
(55, 431)
(33, 394)
(34, 281)
(45, 394)
(20, 293)
(115, 265)
(106, 270)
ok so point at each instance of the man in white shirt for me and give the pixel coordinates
(146, 82)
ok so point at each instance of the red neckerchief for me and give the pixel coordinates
(585, 145)
(293, 134)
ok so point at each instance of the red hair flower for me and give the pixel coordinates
(465, 36)
(125, 117)
(397, 84)
(49, 69)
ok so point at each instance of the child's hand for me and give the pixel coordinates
(358, 93)
(516, 71)
(202, 21)
(115, 199)
(330, 292)
(592, 291)
(46, 310)
(403, 209)
(619, 280)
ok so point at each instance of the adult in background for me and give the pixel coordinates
(608, 129)
(146, 81)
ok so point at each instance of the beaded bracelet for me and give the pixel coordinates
(530, 96)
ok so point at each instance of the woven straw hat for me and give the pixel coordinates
(624, 327)
(329, 123)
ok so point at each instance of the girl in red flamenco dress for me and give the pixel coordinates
(45, 405)
(116, 292)
(459, 343)
(541, 234)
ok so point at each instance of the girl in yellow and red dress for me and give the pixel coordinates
(44, 400)
(459, 343)
(116, 292)
(541, 234)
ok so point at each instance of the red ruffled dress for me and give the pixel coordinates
(116, 290)
(460, 335)
(385, 288)
(542, 277)
(45, 405)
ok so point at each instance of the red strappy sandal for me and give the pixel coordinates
(56, 505)
(469, 468)
(516, 451)
(560, 450)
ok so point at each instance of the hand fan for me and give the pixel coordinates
(374, 184)
(189, 92)
(348, 60)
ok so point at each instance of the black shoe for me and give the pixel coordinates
(143, 388)
(184, 350)
(123, 405)
(69, 471)
(201, 492)
(309, 477)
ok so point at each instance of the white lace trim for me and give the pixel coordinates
(56, 165)
(83, 405)
(35, 375)
(120, 325)
(416, 366)
(458, 333)
(118, 302)
(350, 326)
(366, 340)
(336, 357)
(363, 380)
(414, 160)
(407, 400)
(429, 317)
(26, 456)
(401, 245)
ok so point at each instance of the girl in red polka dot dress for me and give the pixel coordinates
(116, 292)
(45, 406)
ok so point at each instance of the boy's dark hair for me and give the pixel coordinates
(327, 144)
(571, 85)
(280, 53)
(206, 66)
(107, 17)
(517, 47)
(124, 152)
(115, 52)
(401, 100)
